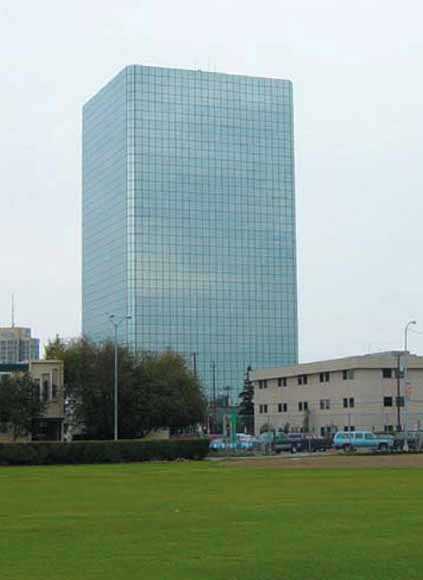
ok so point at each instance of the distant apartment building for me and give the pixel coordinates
(48, 375)
(356, 393)
(18, 346)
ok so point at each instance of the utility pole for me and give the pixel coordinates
(13, 310)
(398, 401)
(194, 364)
(406, 393)
(214, 382)
(214, 393)
(228, 395)
(115, 390)
(116, 399)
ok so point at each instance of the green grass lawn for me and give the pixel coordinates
(206, 521)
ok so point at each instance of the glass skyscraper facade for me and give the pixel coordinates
(189, 218)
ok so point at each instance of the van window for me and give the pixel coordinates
(370, 436)
(358, 435)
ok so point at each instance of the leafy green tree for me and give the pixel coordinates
(155, 390)
(20, 404)
(175, 398)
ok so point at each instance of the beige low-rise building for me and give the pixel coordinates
(48, 375)
(361, 392)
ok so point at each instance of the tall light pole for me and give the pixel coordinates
(116, 325)
(214, 393)
(405, 372)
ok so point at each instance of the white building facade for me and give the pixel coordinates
(365, 392)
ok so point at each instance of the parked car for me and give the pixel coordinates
(266, 437)
(217, 444)
(243, 442)
(348, 441)
(244, 437)
(414, 440)
(294, 442)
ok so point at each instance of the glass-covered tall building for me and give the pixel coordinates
(189, 218)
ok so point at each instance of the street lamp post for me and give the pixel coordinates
(406, 394)
(116, 325)
(214, 394)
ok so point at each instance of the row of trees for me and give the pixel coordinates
(155, 390)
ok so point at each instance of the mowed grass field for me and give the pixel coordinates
(210, 521)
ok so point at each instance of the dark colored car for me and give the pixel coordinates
(297, 442)
(414, 439)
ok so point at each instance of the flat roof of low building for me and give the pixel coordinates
(388, 359)
(13, 367)
(24, 366)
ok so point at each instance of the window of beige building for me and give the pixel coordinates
(55, 385)
(324, 404)
(348, 402)
(37, 388)
(45, 379)
(388, 401)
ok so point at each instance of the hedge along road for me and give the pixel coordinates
(199, 520)
(78, 452)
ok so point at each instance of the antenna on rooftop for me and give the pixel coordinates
(13, 310)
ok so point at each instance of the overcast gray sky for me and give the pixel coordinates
(357, 73)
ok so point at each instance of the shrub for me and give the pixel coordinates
(126, 451)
